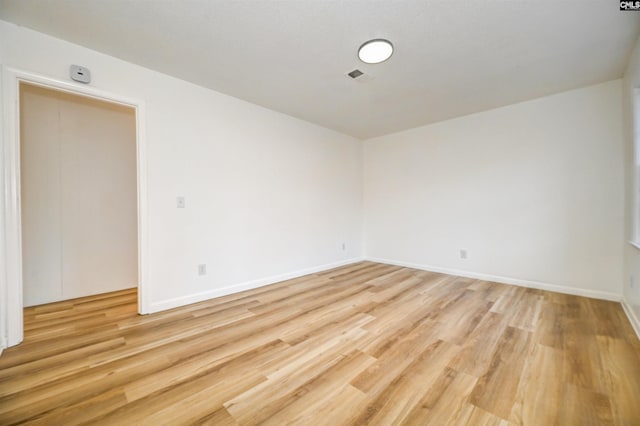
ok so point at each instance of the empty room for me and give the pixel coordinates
(320, 212)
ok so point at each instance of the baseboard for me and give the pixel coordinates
(504, 280)
(633, 319)
(249, 285)
(3, 344)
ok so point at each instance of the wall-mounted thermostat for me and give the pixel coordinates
(80, 74)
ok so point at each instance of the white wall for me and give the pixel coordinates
(533, 191)
(79, 196)
(266, 194)
(631, 253)
(3, 269)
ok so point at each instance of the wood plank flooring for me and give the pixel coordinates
(362, 344)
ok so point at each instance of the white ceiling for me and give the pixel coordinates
(451, 57)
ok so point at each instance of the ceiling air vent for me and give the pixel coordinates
(355, 74)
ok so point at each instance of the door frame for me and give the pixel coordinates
(11, 289)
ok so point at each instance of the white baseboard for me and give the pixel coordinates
(249, 285)
(3, 344)
(505, 280)
(633, 319)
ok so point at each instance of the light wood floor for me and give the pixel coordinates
(363, 344)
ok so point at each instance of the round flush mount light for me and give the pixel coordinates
(375, 51)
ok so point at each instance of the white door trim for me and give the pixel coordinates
(10, 239)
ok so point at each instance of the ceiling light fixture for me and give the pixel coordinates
(375, 51)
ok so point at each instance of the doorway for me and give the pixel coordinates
(78, 195)
(12, 291)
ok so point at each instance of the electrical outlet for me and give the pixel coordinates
(202, 269)
(180, 203)
(463, 253)
(344, 247)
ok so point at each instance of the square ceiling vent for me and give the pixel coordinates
(355, 74)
